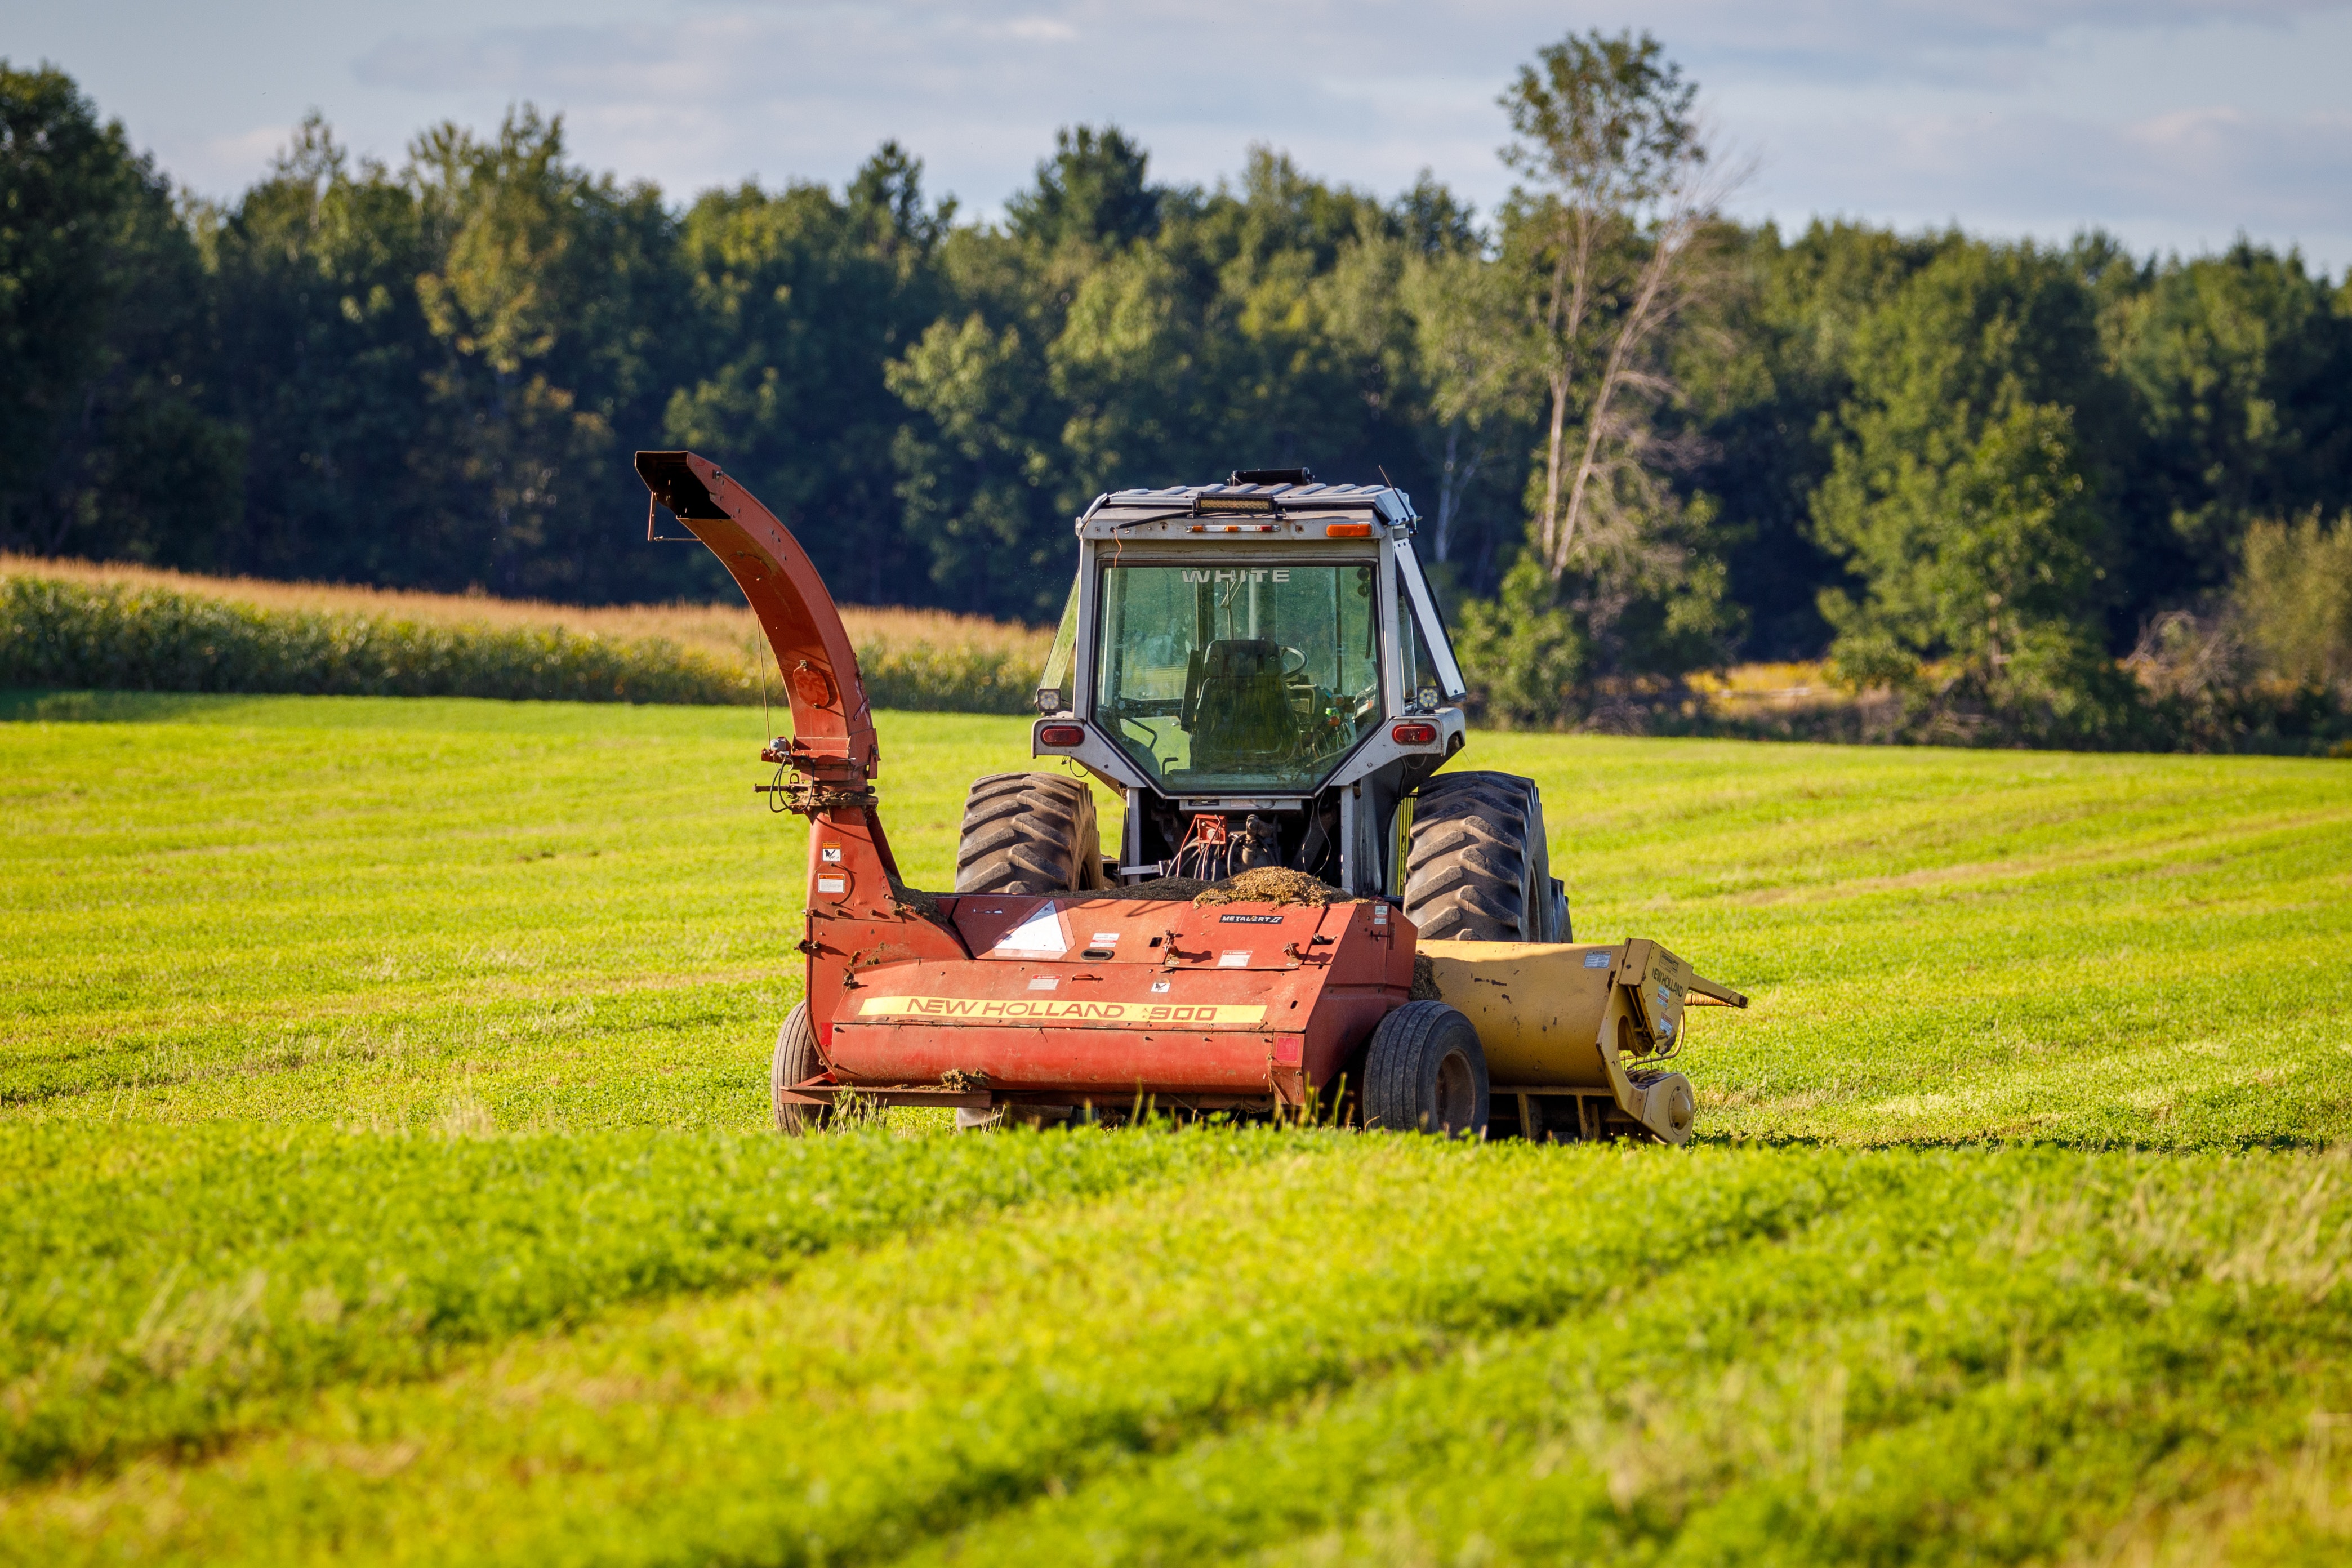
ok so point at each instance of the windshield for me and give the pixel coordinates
(1243, 677)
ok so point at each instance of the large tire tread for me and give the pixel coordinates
(1028, 833)
(1476, 868)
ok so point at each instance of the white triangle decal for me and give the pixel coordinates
(1040, 933)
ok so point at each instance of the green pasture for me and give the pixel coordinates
(382, 1107)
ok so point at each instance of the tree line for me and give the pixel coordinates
(1646, 438)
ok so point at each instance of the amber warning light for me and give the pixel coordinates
(1347, 530)
(1062, 735)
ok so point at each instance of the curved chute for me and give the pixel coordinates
(832, 724)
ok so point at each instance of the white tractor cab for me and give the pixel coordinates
(1260, 669)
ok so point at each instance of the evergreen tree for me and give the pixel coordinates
(322, 350)
(800, 299)
(105, 447)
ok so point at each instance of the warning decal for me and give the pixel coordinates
(1054, 1010)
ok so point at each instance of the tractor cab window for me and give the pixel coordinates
(1240, 678)
(1054, 685)
(1412, 658)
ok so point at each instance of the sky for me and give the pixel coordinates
(2175, 125)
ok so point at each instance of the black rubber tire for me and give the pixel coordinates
(1477, 865)
(796, 1061)
(1028, 833)
(1426, 1073)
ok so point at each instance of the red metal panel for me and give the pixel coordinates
(855, 922)
(831, 718)
(1090, 1062)
(1171, 1004)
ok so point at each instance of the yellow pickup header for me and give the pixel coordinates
(1048, 1010)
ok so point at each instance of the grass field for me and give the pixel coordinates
(382, 1096)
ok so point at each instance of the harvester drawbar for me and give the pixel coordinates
(1303, 912)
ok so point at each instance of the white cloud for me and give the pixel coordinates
(254, 147)
(2189, 180)
(1038, 30)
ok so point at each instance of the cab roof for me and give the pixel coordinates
(1246, 504)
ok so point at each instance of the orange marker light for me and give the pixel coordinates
(1347, 530)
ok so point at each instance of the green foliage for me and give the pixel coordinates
(2295, 595)
(800, 299)
(1523, 653)
(1961, 495)
(979, 492)
(2238, 364)
(1459, 315)
(1086, 352)
(1602, 120)
(1774, 360)
(324, 347)
(1094, 190)
(1607, 246)
(105, 447)
(551, 303)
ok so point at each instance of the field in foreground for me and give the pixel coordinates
(381, 1098)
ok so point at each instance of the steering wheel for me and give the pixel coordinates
(1288, 669)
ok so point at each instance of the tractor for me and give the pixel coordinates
(1306, 913)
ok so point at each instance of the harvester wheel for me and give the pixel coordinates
(1476, 866)
(1425, 1072)
(796, 1061)
(1028, 833)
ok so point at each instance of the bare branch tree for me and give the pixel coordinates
(1622, 467)
(1620, 196)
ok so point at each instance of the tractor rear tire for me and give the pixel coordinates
(796, 1061)
(1477, 865)
(1029, 833)
(1426, 1073)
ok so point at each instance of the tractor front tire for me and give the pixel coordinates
(1028, 833)
(1476, 868)
(1426, 1073)
(796, 1061)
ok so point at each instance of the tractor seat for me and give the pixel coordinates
(1242, 717)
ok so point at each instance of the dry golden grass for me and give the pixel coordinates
(1749, 687)
(725, 632)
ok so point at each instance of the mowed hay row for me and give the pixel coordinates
(110, 625)
(1562, 1355)
(133, 1320)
